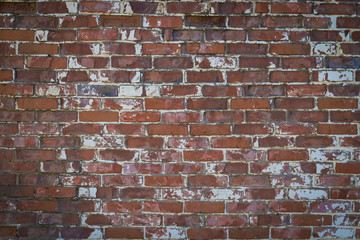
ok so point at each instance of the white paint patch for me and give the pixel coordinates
(71, 168)
(136, 78)
(275, 168)
(345, 36)
(125, 8)
(138, 49)
(129, 104)
(333, 22)
(218, 62)
(322, 168)
(115, 7)
(183, 194)
(41, 35)
(324, 49)
(284, 36)
(62, 154)
(271, 65)
(98, 141)
(312, 194)
(256, 142)
(62, 75)
(73, 63)
(103, 77)
(95, 48)
(146, 22)
(344, 233)
(224, 194)
(96, 234)
(131, 91)
(280, 194)
(152, 91)
(335, 76)
(127, 34)
(93, 76)
(50, 90)
(170, 233)
(87, 192)
(42, 167)
(72, 7)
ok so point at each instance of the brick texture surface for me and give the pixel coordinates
(179, 119)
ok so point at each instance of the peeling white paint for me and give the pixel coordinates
(324, 49)
(71, 6)
(41, 35)
(95, 48)
(138, 49)
(63, 154)
(345, 36)
(284, 36)
(224, 194)
(87, 192)
(343, 233)
(271, 65)
(275, 168)
(335, 76)
(73, 63)
(169, 233)
(126, 8)
(146, 22)
(307, 194)
(218, 62)
(62, 75)
(152, 91)
(93, 76)
(131, 91)
(136, 78)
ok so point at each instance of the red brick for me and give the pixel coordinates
(290, 49)
(213, 76)
(293, 76)
(292, 233)
(161, 49)
(17, 7)
(249, 233)
(162, 21)
(164, 103)
(162, 77)
(119, 21)
(230, 142)
(250, 103)
(209, 155)
(185, 7)
(288, 155)
(206, 233)
(204, 207)
(59, 192)
(205, 21)
(244, 21)
(97, 34)
(144, 142)
(96, 116)
(166, 130)
(333, 9)
(17, 35)
(209, 130)
(127, 233)
(290, 8)
(326, 103)
(92, 6)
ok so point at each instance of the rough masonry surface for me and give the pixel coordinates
(180, 119)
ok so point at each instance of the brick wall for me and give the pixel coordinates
(197, 120)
